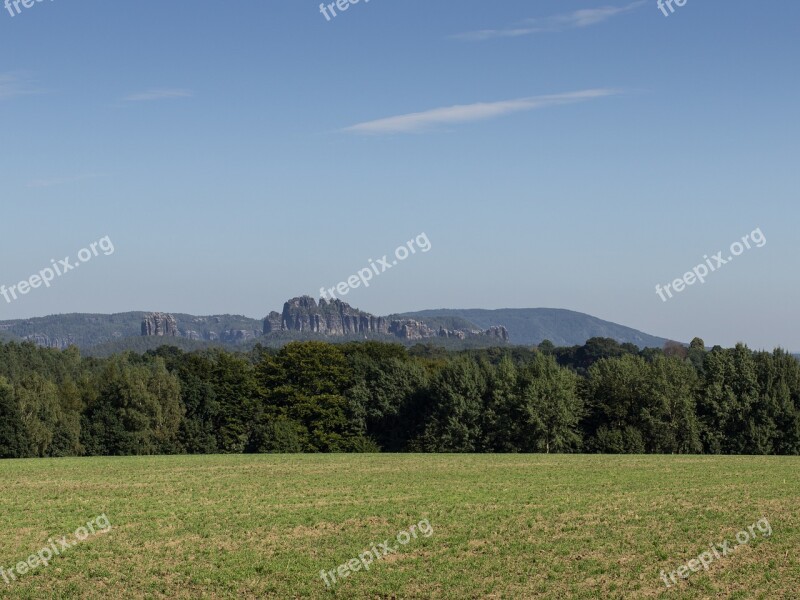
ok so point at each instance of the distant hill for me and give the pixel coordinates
(530, 326)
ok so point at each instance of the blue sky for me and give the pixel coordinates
(567, 154)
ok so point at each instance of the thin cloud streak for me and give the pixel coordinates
(44, 183)
(573, 20)
(151, 95)
(13, 85)
(464, 113)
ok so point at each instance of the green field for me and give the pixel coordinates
(504, 526)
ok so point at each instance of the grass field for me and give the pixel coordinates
(510, 526)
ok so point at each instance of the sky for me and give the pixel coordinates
(562, 154)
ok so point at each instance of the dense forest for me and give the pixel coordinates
(312, 396)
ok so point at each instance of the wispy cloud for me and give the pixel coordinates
(43, 183)
(464, 113)
(16, 84)
(150, 95)
(572, 20)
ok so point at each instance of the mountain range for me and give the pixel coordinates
(305, 318)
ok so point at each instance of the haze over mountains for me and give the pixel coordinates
(305, 318)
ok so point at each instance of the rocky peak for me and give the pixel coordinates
(337, 318)
(159, 325)
(498, 331)
(332, 318)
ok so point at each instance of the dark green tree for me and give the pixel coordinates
(456, 404)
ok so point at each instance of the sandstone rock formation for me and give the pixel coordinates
(409, 329)
(452, 333)
(238, 335)
(303, 314)
(498, 331)
(337, 318)
(273, 322)
(160, 325)
(45, 341)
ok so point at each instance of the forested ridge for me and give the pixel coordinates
(370, 397)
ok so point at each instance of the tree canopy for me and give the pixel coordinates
(371, 397)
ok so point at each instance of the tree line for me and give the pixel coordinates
(311, 396)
